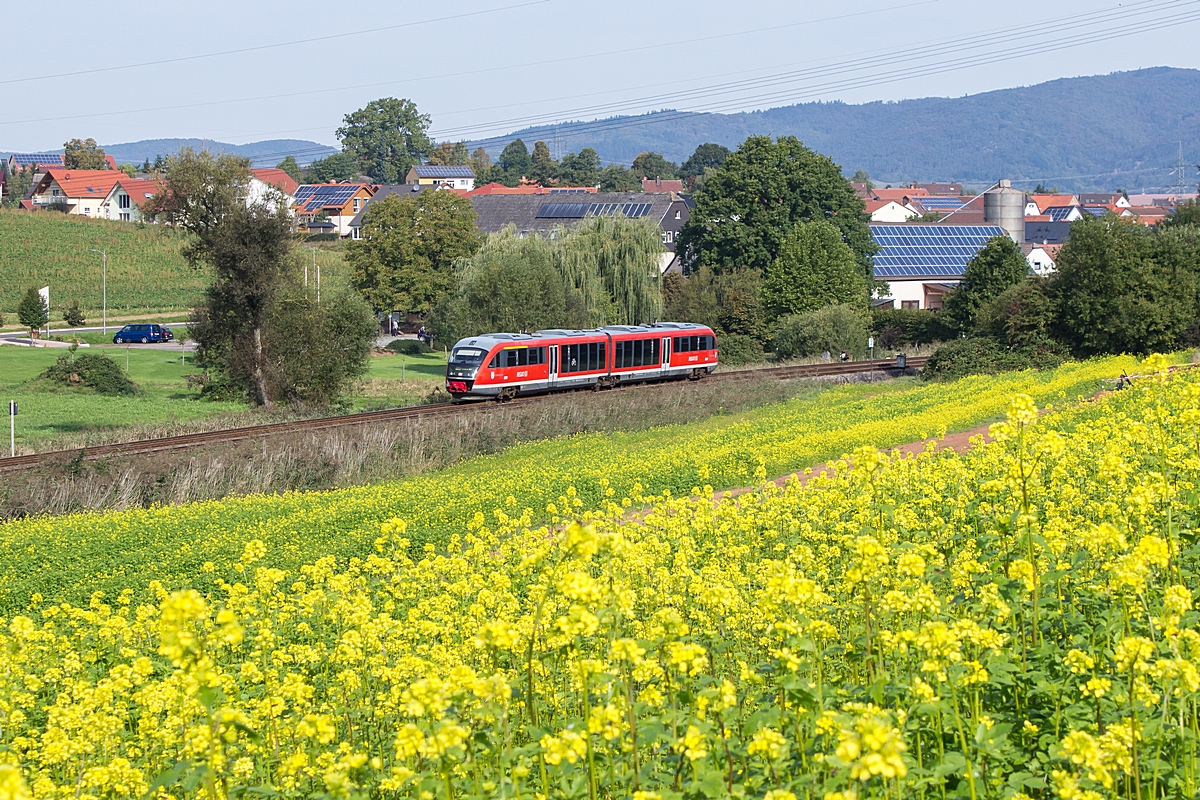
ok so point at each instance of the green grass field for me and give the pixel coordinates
(146, 269)
(53, 419)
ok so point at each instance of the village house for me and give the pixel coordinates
(439, 175)
(75, 191)
(331, 206)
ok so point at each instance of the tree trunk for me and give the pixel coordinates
(258, 373)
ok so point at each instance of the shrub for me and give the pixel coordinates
(984, 355)
(409, 347)
(73, 315)
(736, 350)
(831, 329)
(93, 370)
(894, 327)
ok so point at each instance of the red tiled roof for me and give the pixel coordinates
(277, 178)
(139, 191)
(898, 194)
(1045, 201)
(86, 183)
(1038, 218)
(659, 185)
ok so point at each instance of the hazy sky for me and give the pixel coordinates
(485, 67)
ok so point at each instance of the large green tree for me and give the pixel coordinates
(580, 169)
(749, 205)
(334, 168)
(543, 168)
(450, 154)
(617, 178)
(201, 190)
(512, 283)
(996, 267)
(1121, 288)
(815, 268)
(259, 331)
(386, 138)
(292, 168)
(653, 165)
(83, 154)
(16, 186)
(705, 157)
(614, 263)
(405, 258)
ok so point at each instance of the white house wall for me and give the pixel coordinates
(901, 292)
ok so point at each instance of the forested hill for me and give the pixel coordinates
(1104, 132)
(262, 154)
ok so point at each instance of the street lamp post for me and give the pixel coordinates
(104, 288)
(317, 269)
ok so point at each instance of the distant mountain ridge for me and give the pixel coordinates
(267, 153)
(1103, 132)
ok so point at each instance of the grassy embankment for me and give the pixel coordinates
(56, 418)
(147, 274)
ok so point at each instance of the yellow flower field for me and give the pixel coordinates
(68, 558)
(1014, 622)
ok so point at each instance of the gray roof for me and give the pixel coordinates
(438, 171)
(402, 189)
(498, 210)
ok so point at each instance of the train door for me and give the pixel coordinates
(553, 366)
(666, 353)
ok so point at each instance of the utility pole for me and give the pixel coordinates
(317, 269)
(104, 288)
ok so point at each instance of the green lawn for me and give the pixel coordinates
(52, 419)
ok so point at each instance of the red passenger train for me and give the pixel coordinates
(504, 365)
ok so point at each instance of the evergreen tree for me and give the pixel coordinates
(33, 312)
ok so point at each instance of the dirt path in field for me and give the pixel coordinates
(959, 442)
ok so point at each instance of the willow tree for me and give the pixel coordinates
(614, 263)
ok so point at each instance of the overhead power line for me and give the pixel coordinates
(276, 45)
(879, 69)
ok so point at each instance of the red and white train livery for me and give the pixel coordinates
(504, 365)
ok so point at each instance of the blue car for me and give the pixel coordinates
(142, 333)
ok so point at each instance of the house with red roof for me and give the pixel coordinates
(266, 182)
(1039, 204)
(127, 197)
(889, 211)
(331, 206)
(75, 191)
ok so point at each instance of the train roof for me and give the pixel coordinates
(493, 339)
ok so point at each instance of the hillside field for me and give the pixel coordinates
(146, 269)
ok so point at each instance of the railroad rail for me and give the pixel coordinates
(230, 435)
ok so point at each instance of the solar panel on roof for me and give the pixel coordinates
(562, 211)
(914, 251)
(635, 210)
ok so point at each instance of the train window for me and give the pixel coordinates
(467, 357)
(586, 357)
(640, 353)
(690, 344)
(537, 355)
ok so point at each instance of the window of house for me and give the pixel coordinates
(125, 216)
(910, 305)
(123, 200)
(677, 215)
(357, 202)
(355, 233)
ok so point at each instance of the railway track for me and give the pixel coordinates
(230, 435)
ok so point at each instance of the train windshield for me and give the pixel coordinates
(467, 357)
